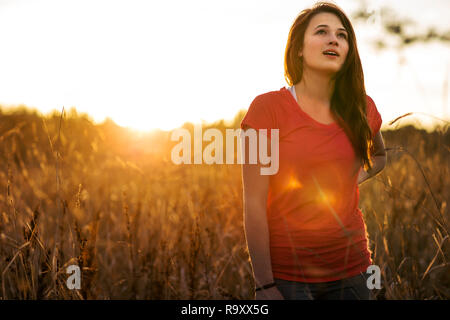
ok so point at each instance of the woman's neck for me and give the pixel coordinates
(315, 87)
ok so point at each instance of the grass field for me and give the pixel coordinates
(141, 227)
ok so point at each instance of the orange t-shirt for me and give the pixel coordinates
(317, 232)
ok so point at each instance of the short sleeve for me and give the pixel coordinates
(373, 116)
(260, 115)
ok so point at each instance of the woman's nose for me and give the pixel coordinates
(333, 40)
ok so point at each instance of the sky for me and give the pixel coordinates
(159, 64)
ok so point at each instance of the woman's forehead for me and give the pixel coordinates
(325, 18)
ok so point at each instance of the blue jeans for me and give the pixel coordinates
(354, 288)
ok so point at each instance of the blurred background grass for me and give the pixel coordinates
(140, 227)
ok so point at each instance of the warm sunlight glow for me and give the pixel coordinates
(326, 197)
(294, 183)
(153, 65)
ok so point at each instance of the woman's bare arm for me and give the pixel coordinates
(255, 190)
(379, 159)
(255, 222)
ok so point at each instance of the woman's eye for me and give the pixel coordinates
(343, 35)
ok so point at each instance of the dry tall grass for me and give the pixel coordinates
(141, 227)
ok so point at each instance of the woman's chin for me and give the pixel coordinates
(325, 68)
(329, 71)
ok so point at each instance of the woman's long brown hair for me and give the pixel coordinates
(348, 102)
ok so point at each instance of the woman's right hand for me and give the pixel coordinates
(269, 294)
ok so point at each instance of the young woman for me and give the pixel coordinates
(305, 233)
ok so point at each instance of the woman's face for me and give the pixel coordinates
(324, 32)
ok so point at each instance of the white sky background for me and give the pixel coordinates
(158, 64)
